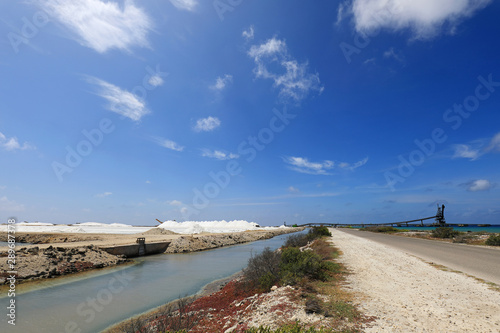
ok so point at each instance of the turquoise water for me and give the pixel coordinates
(471, 228)
(94, 303)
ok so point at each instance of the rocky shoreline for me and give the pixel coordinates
(56, 255)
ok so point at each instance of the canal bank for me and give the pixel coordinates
(95, 303)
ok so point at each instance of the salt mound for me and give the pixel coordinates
(196, 227)
(97, 224)
(158, 231)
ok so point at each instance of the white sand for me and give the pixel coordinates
(409, 295)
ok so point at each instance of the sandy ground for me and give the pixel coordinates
(409, 295)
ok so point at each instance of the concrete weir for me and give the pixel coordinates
(141, 248)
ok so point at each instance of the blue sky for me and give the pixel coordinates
(266, 111)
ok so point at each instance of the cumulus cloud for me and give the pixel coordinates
(292, 189)
(120, 101)
(11, 144)
(207, 124)
(249, 33)
(425, 18)
(175, 203)
(222, 82)
(219, 155)
(188, 5)
(102, 25)
(478, 185)
(292, 79)
(303, 165)
(169, 144)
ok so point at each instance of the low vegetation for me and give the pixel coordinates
(444, 232)
(493, 240)
(385, 229)
(306, 261)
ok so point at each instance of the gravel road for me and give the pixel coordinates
(409, 295)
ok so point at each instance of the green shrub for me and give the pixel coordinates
(380, 229)
(493, 240)
(296, 265)
(318, 232)
(296, 241)
(444, 232)
(263, 269)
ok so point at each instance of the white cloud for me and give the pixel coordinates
(478, 185)
(356, 165)
(303, 165)
(121, 101)
(249, 33)
(494, 143)
(188, 5)
(102, 195)
(175, 203)
(102, 25)
(293, 79)
(292, 189)
(10, 206)
(207, 124)
(425, 18)
(155, 81)
(219, 155)
(222, 82)
(11, 144)
(466, 151)
(169, 144)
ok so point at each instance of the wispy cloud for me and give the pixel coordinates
(477, 148)
(120, 101)
(391, 53)
(303, 165)
(494, 143)
(11, 144)
(169, 144)
(219, 155)
(293, 189)
(175, 203)
(249, 33)
(103, 195)
(207, 124)
(478, 185)
(425, 18)
(102, 25)
(293, 80)
(155, 81)
(221, 82)
(188, 5)
(466, 151)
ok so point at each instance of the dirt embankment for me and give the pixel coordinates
(212, 241)
(35, 263)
